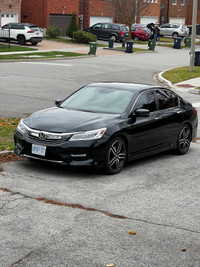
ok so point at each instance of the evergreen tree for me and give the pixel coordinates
(73, 26)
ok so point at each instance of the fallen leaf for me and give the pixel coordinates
(183, 249)
(110, 265)
(132, 232)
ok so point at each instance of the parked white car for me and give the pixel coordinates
(22, 33)
(174, 30)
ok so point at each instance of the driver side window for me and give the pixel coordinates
(146, 101)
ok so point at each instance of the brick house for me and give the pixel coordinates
(173, 11)
(49, 12)
(10, 11)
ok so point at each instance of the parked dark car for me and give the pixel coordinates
(140, 33)
(115, 31)
(107, 124)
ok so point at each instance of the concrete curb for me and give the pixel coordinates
(172, 86)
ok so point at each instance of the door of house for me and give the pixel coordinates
(60, 20)
(8, 17)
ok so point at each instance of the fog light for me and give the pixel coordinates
(78, 155)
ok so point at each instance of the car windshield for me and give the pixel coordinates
(99, 100)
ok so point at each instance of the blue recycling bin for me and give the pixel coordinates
(177, 42)
(129, 47)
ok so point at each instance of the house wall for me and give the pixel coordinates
(10, 6)
(151, 9)
(96, 8)
(37, 11)
(170, 11)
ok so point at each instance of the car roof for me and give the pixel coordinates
(124, 86)
(17, 23)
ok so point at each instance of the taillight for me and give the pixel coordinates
(121, 32)
(30, 31)
(195, 110)
(181, 29)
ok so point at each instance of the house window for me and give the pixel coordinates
(182, 2)
(174, 2)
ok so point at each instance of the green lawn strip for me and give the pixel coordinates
(13, 48)
(181, 74)
(7, 129)
(134, 49)
(51, 54)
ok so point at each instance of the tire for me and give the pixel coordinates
(184, 139)
(21, 40)
(115, 157)
(114, 38)
(175, 35)
(136, 38)
(34, 43)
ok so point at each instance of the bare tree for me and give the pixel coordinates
(127, 11)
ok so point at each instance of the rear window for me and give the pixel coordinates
(115, 27)
(34, 28)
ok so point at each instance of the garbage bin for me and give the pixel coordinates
(151, 45)
(129, 47)
(187, 41)
(177, 42)
(93, 48)
(110, 43)
(197, 58)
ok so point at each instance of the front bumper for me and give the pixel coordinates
(72, 153)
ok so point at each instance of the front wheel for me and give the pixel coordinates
(184, 140)
(21, 40)
(115, 157)
(136, 38)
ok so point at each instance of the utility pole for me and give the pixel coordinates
(194, 22)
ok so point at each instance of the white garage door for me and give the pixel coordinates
(177, 20)
(8, 17)
(94, 20)
(149, 19)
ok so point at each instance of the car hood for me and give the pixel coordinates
(61, 120)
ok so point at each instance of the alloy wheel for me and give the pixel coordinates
(184, 140)
(116, 156)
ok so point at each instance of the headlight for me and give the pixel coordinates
(90, 135)
(21, 127)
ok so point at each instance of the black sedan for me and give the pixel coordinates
(107, 124)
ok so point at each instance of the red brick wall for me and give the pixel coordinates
(151, 10)
(37, 11)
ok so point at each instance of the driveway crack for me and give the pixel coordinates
(81, 207)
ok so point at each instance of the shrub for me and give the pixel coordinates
(83, 37)
(53, 32)
(73, 26)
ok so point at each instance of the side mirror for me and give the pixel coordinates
(58, 102)
(142, 112)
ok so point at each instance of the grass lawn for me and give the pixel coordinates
(181, 74)
(52, 54)
(7, 129)
(14, 48)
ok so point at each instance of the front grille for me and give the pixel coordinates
(47, 137)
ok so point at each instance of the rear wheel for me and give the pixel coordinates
(114, 38)
(175, 35)
(184, 140)
(21, 40)
(115, 156)
(34, 43)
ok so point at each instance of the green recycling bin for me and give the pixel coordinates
(187, 41)
(151, 45)
(93, 48)
(110, 43)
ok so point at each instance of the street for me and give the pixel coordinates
(60, 216)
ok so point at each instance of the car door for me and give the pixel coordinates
(96, 30)
(169, 116)
(105, 31)
(165, 29)
(144, 132)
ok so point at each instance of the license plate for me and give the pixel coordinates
(38, 150)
